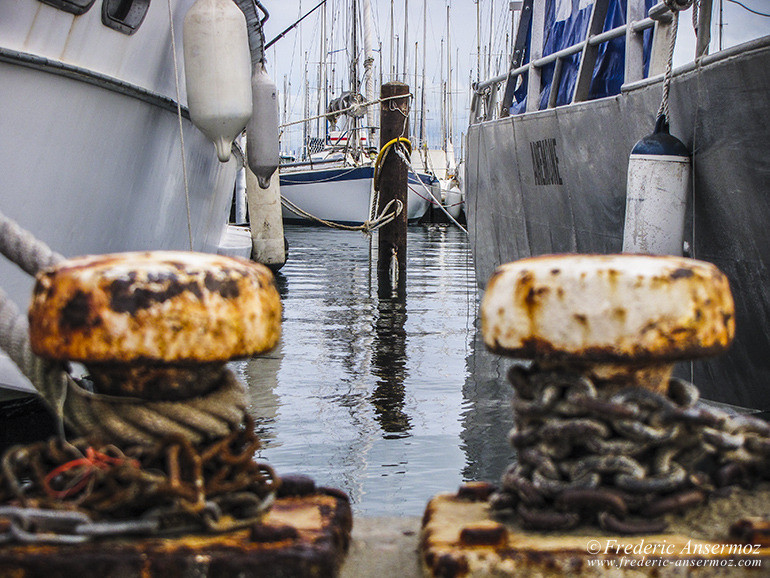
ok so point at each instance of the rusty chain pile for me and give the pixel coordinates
(68, 492)
(620, 460)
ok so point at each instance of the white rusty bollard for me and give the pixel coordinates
(622, 319)
(156, 325)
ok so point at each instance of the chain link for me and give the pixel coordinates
(620, 460)
(69, 492)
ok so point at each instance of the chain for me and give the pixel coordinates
(57, 491)
(624, 459)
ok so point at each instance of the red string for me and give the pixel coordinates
(93, 461)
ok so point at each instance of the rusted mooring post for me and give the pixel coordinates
(604, 436)
(392, 181)
(164, 474)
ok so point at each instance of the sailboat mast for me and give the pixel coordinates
(319, 99)
(305, 112)
(353, 48)
(354, 76)
(491, 38)
(392, 60)
(424, 57)
(406, 39)
(368, 72)
(478, 41)
(449, 72)
(443, 98)
(414, 89)
(325, 76)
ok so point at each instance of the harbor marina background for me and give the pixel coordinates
(391, 400)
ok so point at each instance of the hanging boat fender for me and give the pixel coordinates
(659, 172)
(262, 130)
(217, 65)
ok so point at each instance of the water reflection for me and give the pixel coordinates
(389, 396)
(389, 358)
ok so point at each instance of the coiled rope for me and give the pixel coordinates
(388, 213)
(117, 419)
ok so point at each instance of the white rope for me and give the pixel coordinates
(663, 109)
(179, 118)
(22, 248)
(441, 206)
(367, 227)
(344, 110)
(118, 419)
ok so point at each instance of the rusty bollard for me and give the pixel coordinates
(605, 438)
(167, 446)
(155, 325)
(619, 319)
(603, 433)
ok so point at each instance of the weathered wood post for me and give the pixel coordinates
(394, 123)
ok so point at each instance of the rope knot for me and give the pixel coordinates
(678, 5)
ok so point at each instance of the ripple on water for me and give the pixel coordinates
(390, 399)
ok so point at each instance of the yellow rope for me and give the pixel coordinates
(383, 152)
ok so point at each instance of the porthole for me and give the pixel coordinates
(124, 15)
(76, 7)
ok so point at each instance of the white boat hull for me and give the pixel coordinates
(341, 195)
(92, 158)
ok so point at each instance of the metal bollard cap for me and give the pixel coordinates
(608, 309)
(158, 307)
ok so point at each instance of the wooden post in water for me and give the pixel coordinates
(394, 123)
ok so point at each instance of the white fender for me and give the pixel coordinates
(217, 65)
(656, 194)
(262, 130)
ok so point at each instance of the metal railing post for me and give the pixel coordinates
(590, 51)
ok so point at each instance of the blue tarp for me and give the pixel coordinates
(566, 23)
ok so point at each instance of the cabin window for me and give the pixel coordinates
(124, 15)
(76, 7)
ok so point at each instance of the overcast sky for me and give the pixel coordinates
(286, 58)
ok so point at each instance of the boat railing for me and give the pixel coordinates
(485, 104)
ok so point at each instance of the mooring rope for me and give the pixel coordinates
(675, 6)
(432, 196)
(367, 227)
(22, 248)
(118, 419)
(356, 106)
(179, 119)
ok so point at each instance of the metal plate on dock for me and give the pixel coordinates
(460, 538)
(301, 536)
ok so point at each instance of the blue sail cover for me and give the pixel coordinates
(566, 24)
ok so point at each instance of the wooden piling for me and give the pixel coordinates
(394, 123)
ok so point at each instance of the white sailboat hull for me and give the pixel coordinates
(341, 195)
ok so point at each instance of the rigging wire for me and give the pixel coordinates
(749, 9)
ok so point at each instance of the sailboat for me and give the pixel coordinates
(333, 183)
(440, 162)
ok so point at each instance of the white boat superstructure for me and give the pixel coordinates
(90, 135)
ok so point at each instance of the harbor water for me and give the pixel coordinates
(392, 397)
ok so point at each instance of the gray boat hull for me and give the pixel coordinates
(554, 181)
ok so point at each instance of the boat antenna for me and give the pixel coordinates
(290, 28)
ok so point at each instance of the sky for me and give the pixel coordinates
(287, 60)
